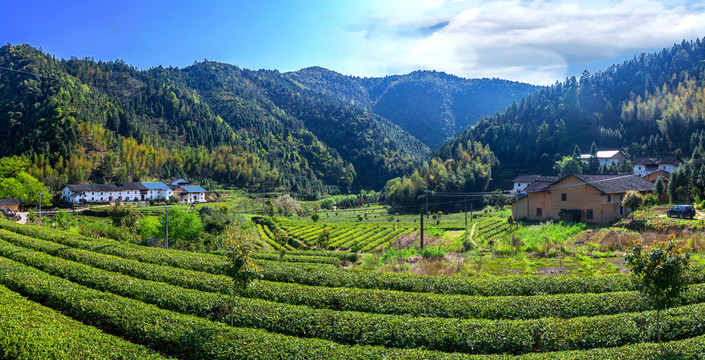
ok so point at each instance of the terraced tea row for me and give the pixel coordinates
(481, 336)
(374, 301)
(353, 237)
(187, 336)
(325, 275)
(492, 229)
(29, 331)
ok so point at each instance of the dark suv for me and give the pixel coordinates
(681, 211)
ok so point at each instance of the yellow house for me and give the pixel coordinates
(579, 197)
(10, 204)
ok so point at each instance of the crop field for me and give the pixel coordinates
(348, 237)
(118, 300)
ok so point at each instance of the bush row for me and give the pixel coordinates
(386, 240)
(175, 276)
(451, 335)
(342, 255)
(266, 240)
(366, 300)
(325, 275)
(297, 258)
(187, 336)
(29, 331)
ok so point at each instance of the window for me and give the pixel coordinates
(609, 198)
(564, 197)
(588, 214)
(539, 212)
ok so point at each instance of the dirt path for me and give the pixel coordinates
(472, 235)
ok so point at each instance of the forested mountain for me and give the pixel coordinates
(650, 105)
(78, 120)
(433, 106)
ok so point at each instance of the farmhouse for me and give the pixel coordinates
(607, 157)
(10, 204)
(129, 191)
(86, 193)
(579, 197)
(191, 194)
(645, 165)
(523, 181)
(157, 190)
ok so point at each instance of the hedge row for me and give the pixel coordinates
(387, 239)
(29, 331)
(342, 255)
(187, 336)
(175, 276)
(372, 301)
(317, 275)
(451, 335)
(325, 275)
(298, 258)
(461, 306)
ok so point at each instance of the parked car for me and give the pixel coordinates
(681, 211)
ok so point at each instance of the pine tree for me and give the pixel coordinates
(576, 152)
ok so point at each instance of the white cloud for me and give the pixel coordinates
(531, 41)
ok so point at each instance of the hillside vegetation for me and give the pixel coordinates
(432, 106)
(649, 105)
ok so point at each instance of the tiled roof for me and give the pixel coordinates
(658, 160)
(607, 154)
(540, 183)
(180, 182)
(156, 186)
(614, 184)
(194, 189)
(526, 178)
(132, 186)
(93, 187)
(106, 187)
(9, 201)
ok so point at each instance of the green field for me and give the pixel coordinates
(307, 306)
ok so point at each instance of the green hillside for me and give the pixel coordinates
(430, 105)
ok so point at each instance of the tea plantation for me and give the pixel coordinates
(64, 295)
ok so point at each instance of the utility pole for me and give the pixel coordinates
(422, 229)
(263, 195)
(426, 203)
(516, 216)
(465, 210)
(166, 227)
(40, 207)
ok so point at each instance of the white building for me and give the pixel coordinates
(646, 165)
(607, 157)
(191, 194)
(521, 182)
(157, 190)
(88, 193)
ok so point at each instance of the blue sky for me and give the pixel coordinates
(533, 41)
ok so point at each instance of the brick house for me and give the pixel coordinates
(579, 197)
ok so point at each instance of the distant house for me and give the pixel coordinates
(607, 157)
(179, 182)
(191, 194)
(579, 197)
(129, 191)
(88, 193)
(523, 181)
(157, 190)
(645, 165)
(660, 173)
(10, 204)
